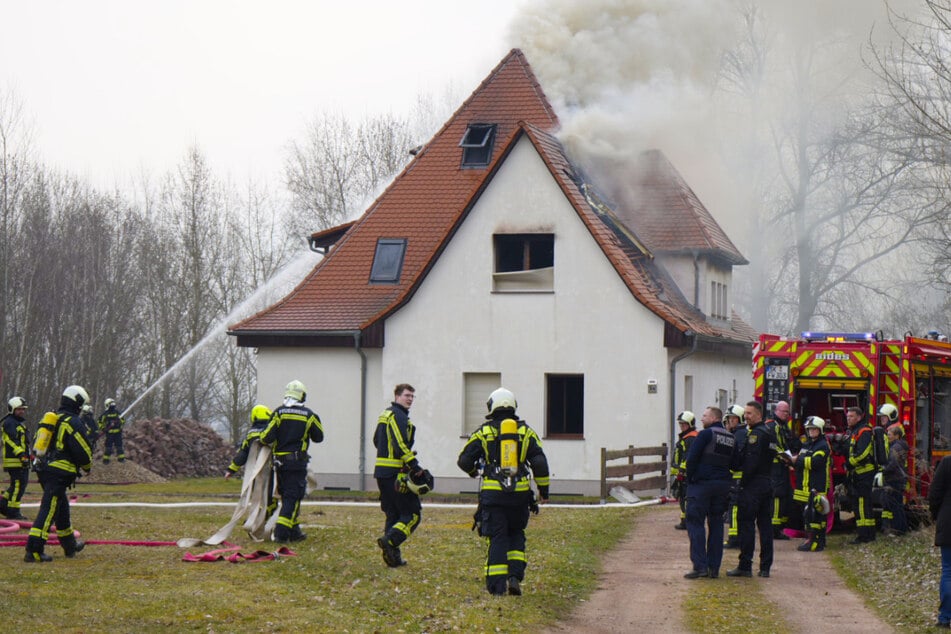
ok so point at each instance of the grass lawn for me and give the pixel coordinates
(336, 583)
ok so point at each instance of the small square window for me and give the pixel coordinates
(476, 145)
(388, 261)
(524, 251)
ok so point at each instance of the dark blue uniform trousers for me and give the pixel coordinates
(707, 501)
(755, 514)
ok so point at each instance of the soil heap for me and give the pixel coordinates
(157, 449)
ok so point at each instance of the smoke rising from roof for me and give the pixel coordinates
(627, 76)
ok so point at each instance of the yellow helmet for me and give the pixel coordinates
(686, 416)
(260, 413)
(736, 410)
(296, 391)
(16, 403)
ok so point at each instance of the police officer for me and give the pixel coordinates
(505, 496)
(755, 500)
(292, 428)
(16, 457)
(61, 451)
(861, 474)
(708, 481)
(812, 465)
(678, 469)
(395, 459)
(733, 423)
(110, 424)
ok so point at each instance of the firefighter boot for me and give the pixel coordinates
(809, 544)
(3, 505)
(71, 545)
(34, 551)
(821, 540)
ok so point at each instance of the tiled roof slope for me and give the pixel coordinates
(649, 283)
(668, 215)
(428, 201)
(423, 204)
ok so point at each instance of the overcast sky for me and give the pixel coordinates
(114, 86)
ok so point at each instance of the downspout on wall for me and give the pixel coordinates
(363, 410)
(673, 400)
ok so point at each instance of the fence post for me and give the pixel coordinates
(604, 475)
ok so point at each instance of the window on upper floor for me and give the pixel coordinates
(718, 300)
(388, 261)
(564, 405)
(477, 144)
(524, 262)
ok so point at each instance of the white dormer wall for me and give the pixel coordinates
(696, 276)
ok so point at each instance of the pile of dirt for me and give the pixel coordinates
(166, 449)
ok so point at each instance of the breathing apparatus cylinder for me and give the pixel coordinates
(508, 447)
(45, 434)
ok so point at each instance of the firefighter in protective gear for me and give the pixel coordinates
(395, 459)
(260, 417)
(678, 468)
(861, 473)
(813, 477)
(58, 468)
(90, 426)
(733, 422)
(887, 414)
(16, 457)
(787, 439)
(110, 424)
(506, 498)
(293, 426)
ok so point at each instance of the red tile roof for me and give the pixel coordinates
(429, 200)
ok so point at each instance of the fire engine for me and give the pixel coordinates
(825, 373)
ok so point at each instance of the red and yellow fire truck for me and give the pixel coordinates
(825, 373)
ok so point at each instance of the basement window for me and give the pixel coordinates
(524, 262)
(476, 144)
(388, 261)
(564, 406)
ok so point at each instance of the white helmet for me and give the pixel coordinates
(16, 403)
(815, 421)
(87, 409)
(76, 394)
(736, 410)
(296, 391)
(501, 399)
(889, 410)
(110, 402)
(686, 416)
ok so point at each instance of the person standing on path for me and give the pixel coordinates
(939, 504)
(678, 469)
(755, 502)
(708, 493)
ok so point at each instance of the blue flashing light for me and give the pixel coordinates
(838, 336)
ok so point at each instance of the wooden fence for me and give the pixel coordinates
(623, 474)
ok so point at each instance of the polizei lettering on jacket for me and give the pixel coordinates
(719, 450)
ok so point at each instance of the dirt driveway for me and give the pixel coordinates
(642, 587)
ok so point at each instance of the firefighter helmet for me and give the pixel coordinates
(87, 409)
(420, 481)
(815, 422)
(736, 410)
(296, 391)
(110, 402)
(821, 505)
(890, 411)
(16, 402)
(76, 394)
(687, 417)
(501, 399)
(260, 413)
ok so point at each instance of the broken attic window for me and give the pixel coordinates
(388, 261)
(524, 251)
(477, 144)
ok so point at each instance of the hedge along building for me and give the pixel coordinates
(491, 260)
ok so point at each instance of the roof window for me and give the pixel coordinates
(477, 144)
(388, 261)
